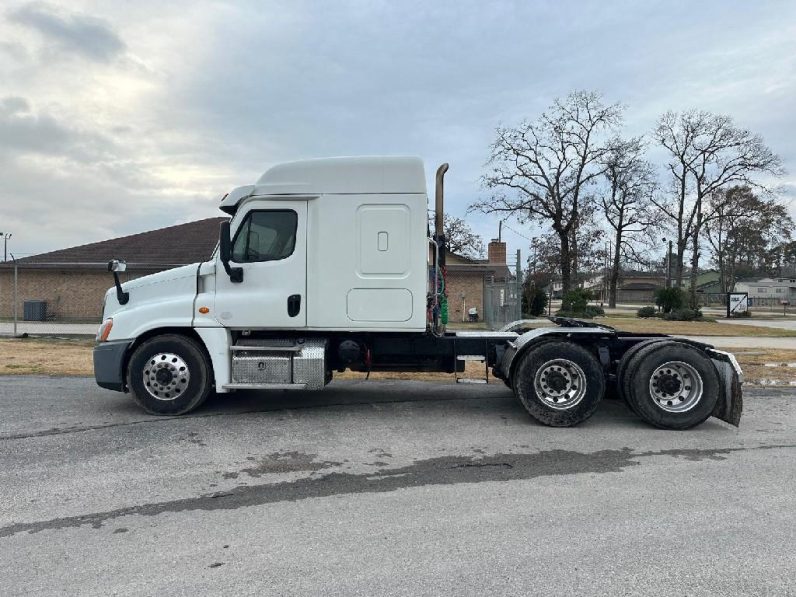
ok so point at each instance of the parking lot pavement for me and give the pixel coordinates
(395, 488)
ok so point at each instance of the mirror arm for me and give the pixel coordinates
(235, 273)
(121, 296)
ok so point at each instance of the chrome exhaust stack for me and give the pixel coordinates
(439, 201)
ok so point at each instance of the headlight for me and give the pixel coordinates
(104, 330)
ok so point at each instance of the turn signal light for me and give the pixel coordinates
(105, 330)
(204, 310)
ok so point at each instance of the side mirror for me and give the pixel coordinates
(225, 254)
(116, 266)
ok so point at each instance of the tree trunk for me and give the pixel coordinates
(697, 229)
(694, 271)
(678, 264)
(566, 269)
(573, 249)
(722, 273)
(615, 269)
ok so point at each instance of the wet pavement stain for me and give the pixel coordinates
(282, 462)
(445, 470)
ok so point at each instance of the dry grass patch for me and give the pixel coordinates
(73, 357)
(753, 362)
(690, 328)
(472, 369)
(24, 356)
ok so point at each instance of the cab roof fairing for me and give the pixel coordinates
(346, 175)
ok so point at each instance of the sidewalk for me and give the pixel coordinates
(745, 341)
(49, 328)
(785, 324)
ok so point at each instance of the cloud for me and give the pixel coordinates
(24, 132)
(86, 35)
(172, 103)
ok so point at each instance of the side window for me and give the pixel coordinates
(265, 236)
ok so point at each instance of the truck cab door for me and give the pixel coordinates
(269, 244)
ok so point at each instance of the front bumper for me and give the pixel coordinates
(109, 364)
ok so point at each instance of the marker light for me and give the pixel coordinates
(105, 330)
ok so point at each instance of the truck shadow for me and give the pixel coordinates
(430, 399)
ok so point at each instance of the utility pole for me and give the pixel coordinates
(16, 285)
(5, 236)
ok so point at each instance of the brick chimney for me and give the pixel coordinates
(496, 252)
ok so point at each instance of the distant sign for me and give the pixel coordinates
(737, 303)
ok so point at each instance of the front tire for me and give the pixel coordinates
(559, 383)
(169, 375)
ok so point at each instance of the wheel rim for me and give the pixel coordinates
(560, 384)
(676, 387)
(166, 376)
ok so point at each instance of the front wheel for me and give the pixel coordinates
(169, 375)
(559, 383)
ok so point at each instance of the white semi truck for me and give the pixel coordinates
(328, 265)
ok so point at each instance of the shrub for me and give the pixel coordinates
(538, 302)
(588, 312)
(683, 315)
(576, 301)
(670, 299)
(646, 312)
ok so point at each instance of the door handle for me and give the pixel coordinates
(293, 304)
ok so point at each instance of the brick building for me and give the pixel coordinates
(467, 279)
(73, 281)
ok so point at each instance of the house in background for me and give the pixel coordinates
(768, 291)
(638, 288)
(73, 281)
(468, 279)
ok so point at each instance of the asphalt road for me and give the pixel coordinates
(387, 488)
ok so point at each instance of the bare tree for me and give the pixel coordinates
(460, 238)
(706, 152)
(539, 170)
(626, 204)
(743, 228)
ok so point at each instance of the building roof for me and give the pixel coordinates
(460, 263)
(640, 286)
(156, 249)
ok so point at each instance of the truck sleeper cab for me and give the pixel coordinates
(326, 265)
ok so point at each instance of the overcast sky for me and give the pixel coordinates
(120, 117)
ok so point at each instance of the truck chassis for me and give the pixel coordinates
(559, 374)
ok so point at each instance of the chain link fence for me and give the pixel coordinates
(503, 298)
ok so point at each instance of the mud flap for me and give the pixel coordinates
(730, 405)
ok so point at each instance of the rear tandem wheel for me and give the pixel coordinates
(670, 385)
(559, 383)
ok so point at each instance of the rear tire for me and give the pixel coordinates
(672, 385)
(169, 375)
(629, 362)
(559, 383)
